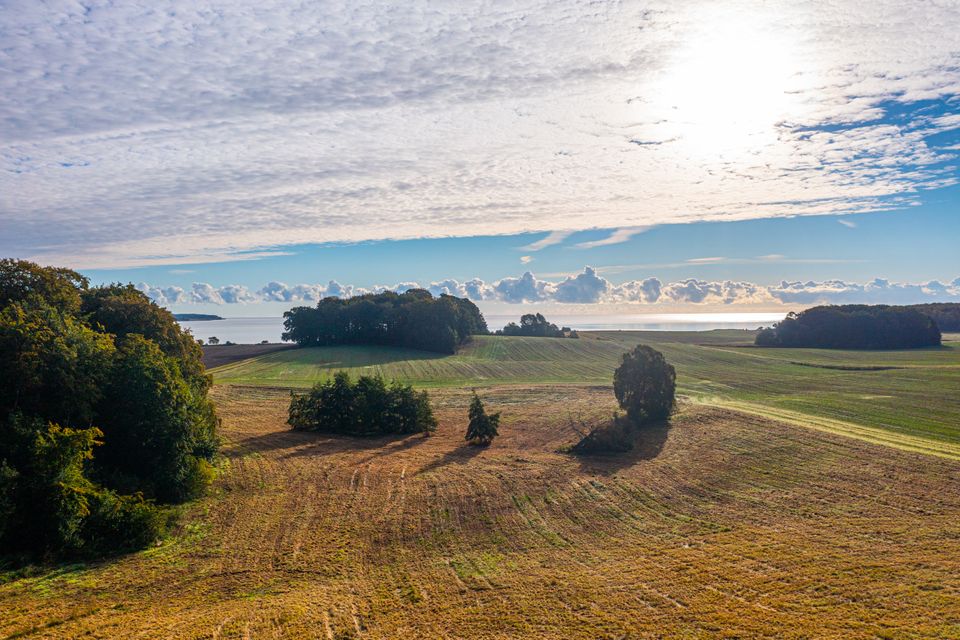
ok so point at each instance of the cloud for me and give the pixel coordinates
(526, 259)
(552, 238)
(618, 236)
(132, 134)
(588, 287)
(850, 224)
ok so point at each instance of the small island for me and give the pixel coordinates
(194, 317)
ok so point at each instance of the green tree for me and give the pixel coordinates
(645, 385)
(483, 428)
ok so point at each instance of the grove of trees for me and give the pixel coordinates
(854, 326)
(482, 428)
(534, 324)
(365, 407)
(945, 314)
(104, 415)
(413, 319)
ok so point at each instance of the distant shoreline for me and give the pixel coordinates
(195, 317)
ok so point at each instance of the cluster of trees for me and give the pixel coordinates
(412, 319)
(534, 324)
(104, 415)
(366, 407)
(945, 314)
(645, 385)
(854, 326)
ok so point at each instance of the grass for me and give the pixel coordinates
(911, 394)
(725, 525)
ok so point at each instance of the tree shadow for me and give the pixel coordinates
(329, 444)
(461, 455)
(648, 442)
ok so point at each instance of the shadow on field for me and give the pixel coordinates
(647, 445)
(461, 455)
(331, 444)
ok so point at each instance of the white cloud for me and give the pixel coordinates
(201, 131)
(552, 238)
(618, 236)
(526, 259)
(588, 287)
(850, 224)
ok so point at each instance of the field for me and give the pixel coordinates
(901, 398)
(725, 525)
(729, 523)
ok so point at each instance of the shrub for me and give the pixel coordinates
(645, 385)
(482, 428)
(366, 407)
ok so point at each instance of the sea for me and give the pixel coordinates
(256, 330)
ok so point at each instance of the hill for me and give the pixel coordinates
(724, 524)
(906, 398)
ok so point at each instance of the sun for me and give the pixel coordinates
(727, 86)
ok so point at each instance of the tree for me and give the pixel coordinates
(645, 385)
(534, 325)
(483, 428)
(101, 394)
(853, 326)
(213, 340)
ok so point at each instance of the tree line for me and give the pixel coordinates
(853, 326)
(413, 319)
(104, 415)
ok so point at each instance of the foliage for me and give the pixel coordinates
(537, 326)
(367, 407)
(645, 385)
(412, 319)
(854, 326)
(945, 314)
(609, 436)
(103, 408)
(482, 428)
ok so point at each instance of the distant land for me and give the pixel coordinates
(194, 317)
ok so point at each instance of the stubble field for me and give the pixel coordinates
(723, 525)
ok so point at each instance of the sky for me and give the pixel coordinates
(240, 157)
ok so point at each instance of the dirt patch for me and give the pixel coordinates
(219, 355)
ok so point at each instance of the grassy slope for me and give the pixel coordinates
(724, 526)
(910, 394)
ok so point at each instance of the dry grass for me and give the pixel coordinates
(727, 525)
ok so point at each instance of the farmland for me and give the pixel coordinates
(753, 514)
(905, 398)
(724, 525)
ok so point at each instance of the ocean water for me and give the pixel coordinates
(254, 330)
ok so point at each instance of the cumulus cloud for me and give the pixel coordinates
(136, 133)
(588, 287)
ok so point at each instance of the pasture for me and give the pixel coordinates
(902, 398)
(723, 525)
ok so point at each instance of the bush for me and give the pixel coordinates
(608, 437)
(853, 326)
(645, 385)
(367, 407)
(535, 325)
(482, 428)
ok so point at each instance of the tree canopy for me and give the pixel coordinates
(367, 407)
(482, 428)
(645, 385)
(945, 314)
(103, 413)
(854, 326)
(535, 325)
(413, 319)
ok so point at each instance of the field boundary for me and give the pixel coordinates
(874, 435)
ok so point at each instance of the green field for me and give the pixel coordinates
(905, 398)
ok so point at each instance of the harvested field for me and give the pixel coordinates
(725, 525)
(221, 354)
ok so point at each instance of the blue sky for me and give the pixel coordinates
(256, 153)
